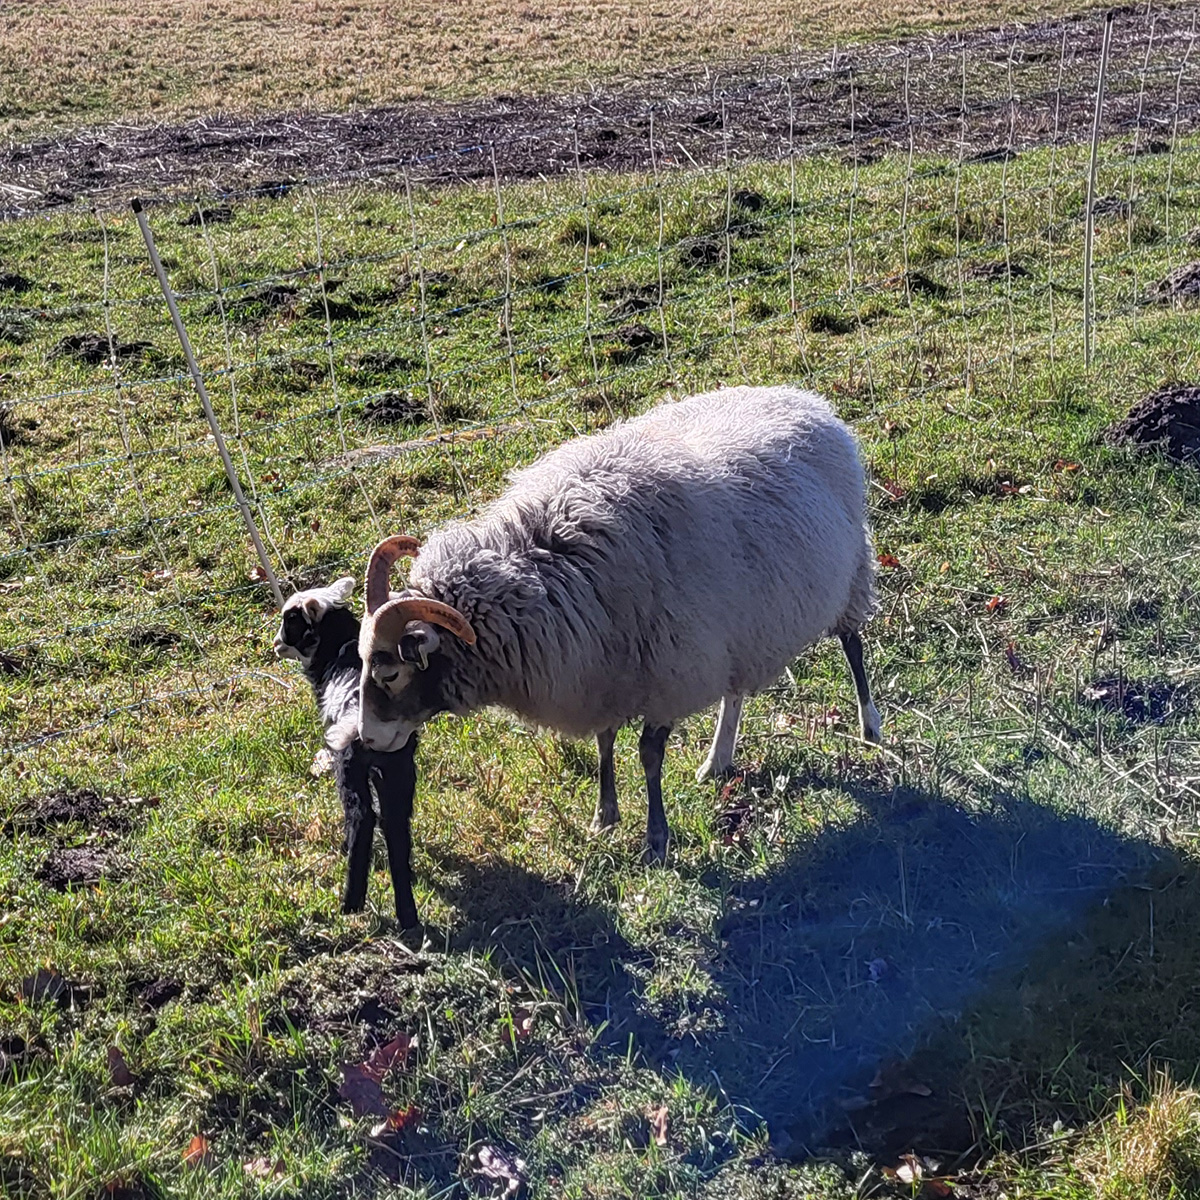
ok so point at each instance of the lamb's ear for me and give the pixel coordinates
(418, 642)
(336, 595)
(342, 589)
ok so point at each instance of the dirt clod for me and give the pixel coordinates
(93, 348)
(993, 271)
(47, 986)
(157, 637)
(1167, 420)
(1181, 284)
(632, 341)
(701, 252)
(109, 814)
(82, 866)
(160, 991)
(749, 200)
(222, 215)
(394, 408)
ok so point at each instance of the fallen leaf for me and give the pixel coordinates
(996, 604)
(261, 1168)
(660, 1120)
(198, 1153)
(894, 490)
(396, 1121)
(361, 1081)
(522, 1023)
(888, 560)
(910, 1169)
(492, 1163)
(939, 1188)
(118, 1068)
(316, 525)
(360, 1085)
(1063, 465)
(394, 1053)
(258, 575)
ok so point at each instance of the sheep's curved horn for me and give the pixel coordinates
(391, 619)
(379, 568)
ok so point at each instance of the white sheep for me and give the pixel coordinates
(675, 560)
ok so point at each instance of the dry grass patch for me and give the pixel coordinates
(71, 63)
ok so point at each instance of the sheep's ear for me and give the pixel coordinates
(418, 642)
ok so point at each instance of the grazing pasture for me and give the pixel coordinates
(962, 963)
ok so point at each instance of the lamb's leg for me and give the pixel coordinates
(352, 772)
(720, 755)
(651, 748)
(396, 785)
(868, 714)
(607, 814)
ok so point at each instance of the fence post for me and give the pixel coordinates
(1089, 222)
(202, 392)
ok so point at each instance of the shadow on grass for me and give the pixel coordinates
(927, 977)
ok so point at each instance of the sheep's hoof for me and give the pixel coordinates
(411, 937)
(872, 726)
(602, 822)
(711, 769)
(655, 854)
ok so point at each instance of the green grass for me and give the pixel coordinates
(1003, 896)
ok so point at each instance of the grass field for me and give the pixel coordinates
(975, 943)
(72, 64)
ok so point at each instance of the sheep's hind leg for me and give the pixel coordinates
(868, 714)
(607, 813)
(651, 748)
(720, 755)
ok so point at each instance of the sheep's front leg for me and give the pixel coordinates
(651, 748)
(396, 786)
(354, 789)
(868, 714)
(720, 755)
(607, 814)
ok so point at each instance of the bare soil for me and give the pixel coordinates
(984, 96)
(1167, 420)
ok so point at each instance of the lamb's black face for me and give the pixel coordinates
(297, 637)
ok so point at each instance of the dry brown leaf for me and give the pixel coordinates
(361, 1082)
(888, 560)
(198, 1153)
(996, 604)
(396, 1121)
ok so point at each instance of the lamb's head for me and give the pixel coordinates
(305, 614)
(399, 645)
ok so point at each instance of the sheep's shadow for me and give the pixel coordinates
(863, 947)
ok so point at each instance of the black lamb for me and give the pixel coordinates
(320, 632)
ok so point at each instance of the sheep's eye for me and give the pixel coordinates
(385, 667)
